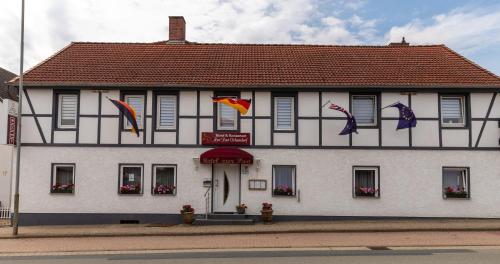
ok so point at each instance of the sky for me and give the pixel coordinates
(471, 28)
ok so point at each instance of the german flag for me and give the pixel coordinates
(129, 112)
(242, 105)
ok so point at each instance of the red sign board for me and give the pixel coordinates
(225, 138)
(11, 130)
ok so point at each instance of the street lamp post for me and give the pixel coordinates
(15, 222)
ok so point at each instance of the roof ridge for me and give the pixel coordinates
(471, 62)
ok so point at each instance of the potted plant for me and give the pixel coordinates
(458, 192)
(130, 189)
(64, 188)
(366, 191)
(267, 212)
(283, 190)
(187, 213)
(164, 189)
(241, 208)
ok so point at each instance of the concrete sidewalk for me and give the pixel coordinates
(350, 226)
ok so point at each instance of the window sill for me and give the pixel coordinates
(456, 198)
(283, 195)
(164, 194)
(131, 194)
(63, 193)
(365, 197)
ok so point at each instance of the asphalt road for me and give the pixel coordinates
(291, 256)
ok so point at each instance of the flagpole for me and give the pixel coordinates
(15, 222)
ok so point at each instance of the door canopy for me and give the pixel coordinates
(226, 155)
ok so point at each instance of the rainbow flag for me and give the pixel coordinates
(242, 105)
(129, 112)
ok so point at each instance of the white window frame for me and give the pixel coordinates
(292, 114)
(377, 180)
(153, 180)
(126, 124)
(54, 174)
(465, 171)
(294, 180)
(158, 113)
(59, 111)
(462, 110)
(219, 126)
(375, 110)
(120, 179)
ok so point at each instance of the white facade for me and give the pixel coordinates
(410, 161)
(7, 152)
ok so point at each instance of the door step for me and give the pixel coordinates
(227, 216)
(203, 222)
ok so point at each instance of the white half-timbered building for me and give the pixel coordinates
(286, 150)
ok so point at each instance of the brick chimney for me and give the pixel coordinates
(176, 29)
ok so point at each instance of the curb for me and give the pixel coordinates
(139, 234)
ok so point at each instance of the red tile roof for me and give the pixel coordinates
(257, 65)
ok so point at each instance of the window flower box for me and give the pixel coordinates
(366, 192)
(130, 189)
(451, 192)
(64, 188)
(164, 189)
(283, 190)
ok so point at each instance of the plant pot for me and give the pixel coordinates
(266, 216)
(240, 210)
(187, 218)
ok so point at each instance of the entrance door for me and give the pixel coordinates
(226, 187)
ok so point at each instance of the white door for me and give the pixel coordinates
(226, 187)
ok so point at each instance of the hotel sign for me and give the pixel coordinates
(11, 129)
(225, 138)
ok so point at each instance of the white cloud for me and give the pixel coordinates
(464, 30)
(52, 24)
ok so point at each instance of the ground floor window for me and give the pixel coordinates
(366, 181)
(284, 179)
(131, 178)
(456, 182)
(63, 178)
(164, 179)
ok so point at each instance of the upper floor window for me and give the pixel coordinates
(227, 117)
(164, 179)
(166, 112)
(366, 182)
(284, 180)
(131, 179)
(137, 102)
(453, 111)
(67, 110)
(284, 113)
(364, 109)
(63, 178)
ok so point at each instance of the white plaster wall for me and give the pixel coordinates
(366, 137)
(149, 106)
(308, 132)
(206, 125)
(425, 134)
(187, 103)
(206, 104)
(89, 102)
(187, 131)
(495, 110)
(41, 99)
(30, 132)
(393, 137)
(64, 136)
(131, 138)
(262, 131)
(109, 108)
(308, 104)
(88, 130)
(390, 98)
(331, 130)
(479, 104)
(109, 130)
(491, 135)
(341, 99)
(149, 126)
(425, 105)
(324, 178)
(246, 126)
(46, 125)
(3, 121)
(455, 137)
(262, 104)
(165, 137)
(7, 153)
(284, 139)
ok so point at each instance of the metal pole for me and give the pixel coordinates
(15, 222)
